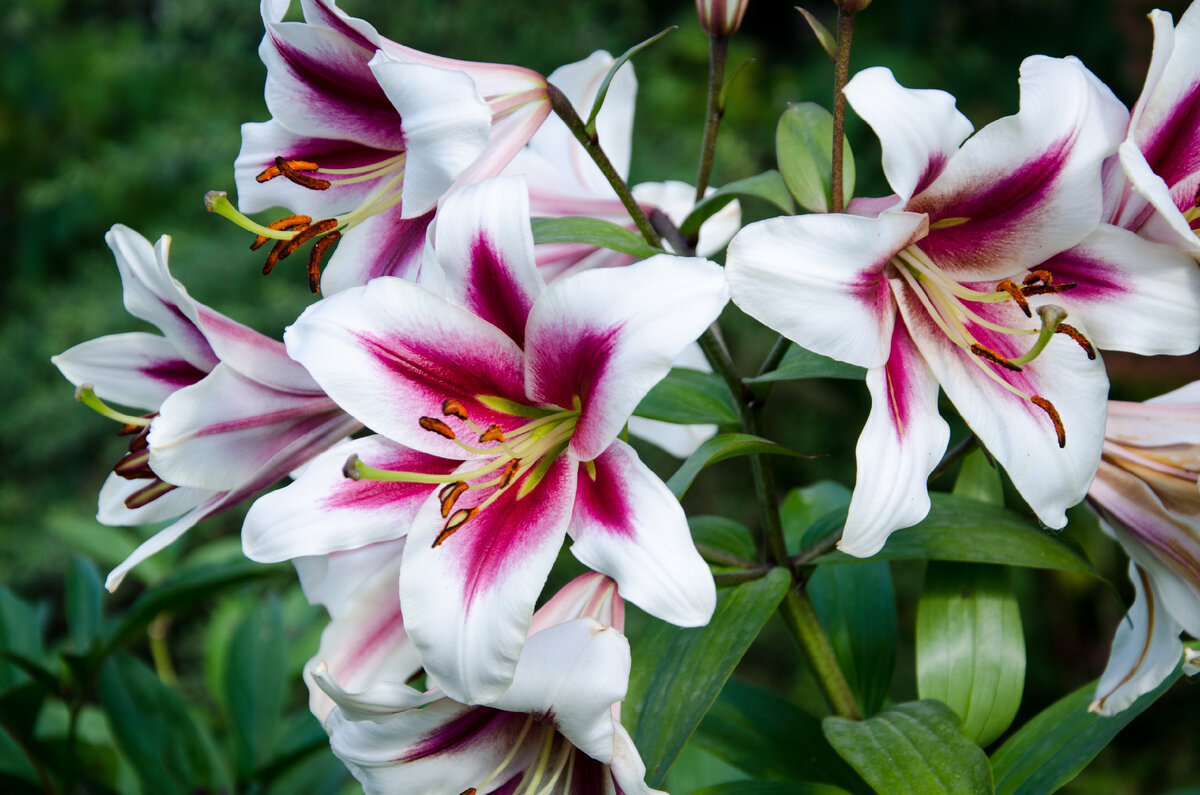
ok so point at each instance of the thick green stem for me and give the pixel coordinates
(801, 619)
(566, 111)
(717, 51)
(841, 73)
(778, 351)
(768, 496)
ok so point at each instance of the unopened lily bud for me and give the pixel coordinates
(853, 6)
(721, 18)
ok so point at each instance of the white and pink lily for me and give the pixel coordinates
(366, 135)
(947, 284)
(499, 411)
(556, 730)
(230, 413)
(1147, 496)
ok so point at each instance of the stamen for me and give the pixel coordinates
(135, 465)
(271, 172)
(449, 495)
(1052, 317)
(993, 357)
(314, 259)
(435, 425)
(303, 180)
(86, 394)
(1077, 335)
(468, 791)
(147, 495)
(1048, 407)
(456, 520)
(1010, 287)
(283, 224)
(494, 433)
(306, 234)
(353, 468)
(1040, 282)
(452, 408)
(509, 473)
(216, 201)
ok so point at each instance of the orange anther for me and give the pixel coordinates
(1048, 407)
(437, 426)
(452, 408)
(287, 169)
(271, 172)
(1010, 287)
(990, 355)
(509, 472)
(1077, 335)
(450, 494)
(494, 433)
(314, 259)
(283, 224)
(456, 520)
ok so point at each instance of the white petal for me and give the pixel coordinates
(134, 369)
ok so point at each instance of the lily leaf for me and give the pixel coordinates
(1060, 741)
(917, 747)
(771, 788)
(678, 673)
(255, 687)
(602, 92)
(722, 534)
(970, 647)
(719, 448)
(84, 597)
(802, 363)
(768, 186)
(969, 531)
(804, 149)
(592, 232)
(689, 396)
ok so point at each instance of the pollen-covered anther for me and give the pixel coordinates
(494, 433)
(1052, 413)
(271, 172)
(135, 465)
(435, 425)
(449, 495)
(1014, 290)
(1077, 335)
(306, 234)
(456, 520)
(987, 354)
(148, 494)
(286, 169)
(314, 259)
(1041, 282)
(452, 408)
(510, 471)
(284, 224)
(468, 791)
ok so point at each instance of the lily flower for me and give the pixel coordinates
(249, 413)
(556, 730)
(525, 388)
(946, 284)
(1147, 497)
(1158, 195)
(365, 136)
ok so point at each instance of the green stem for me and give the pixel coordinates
(768, 496)
(814, 551)
(958, 451)
(717, 51)
(801, 619)
(841, 73)
(566, 111)
(778, 351)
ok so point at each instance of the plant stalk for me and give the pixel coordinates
(718, 49)
(801, 619)
(841, 73)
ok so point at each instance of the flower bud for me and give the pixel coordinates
(721, 18)
(853, 6)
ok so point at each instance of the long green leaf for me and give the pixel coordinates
(802, 363)
(803, 507)
(771, 788)
(769, 737)
(20, 636)
(970, 647)
(678, 673)
(84, 597)
(720, 448)
(689, 396)
(153, 729)
(592, 232)
(918, 748)
(725, 535)
(969, 531)
(255, 686)
(767, 186)
(857, 607)
(1060, 741)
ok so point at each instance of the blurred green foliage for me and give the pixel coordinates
(128, 111)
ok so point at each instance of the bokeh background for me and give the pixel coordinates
(129, 111)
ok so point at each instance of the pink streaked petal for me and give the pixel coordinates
(382, 245)
(919, 129)
(254, 355)
(605, 337)
(900, 445)
(152, 294)
(1028, 185)
(324, 511)
(510, 131)
(332, 580)
(818, 280)
(1170, 420)
(1131, 294)
(1166, 119)
(328, 15)
(1166, 225)
(628, 525)
(590, 595)
(1145, 651)
(469, 600)
(365, 642)
(573, 673)
(221, 432)
(262, 142)
(319, 85)
(484, 246)
(111, 508)
(134, 369)
(446, 127)
(1017, 433)
(391, 352)
(164, 538)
